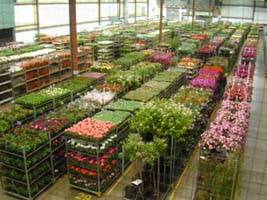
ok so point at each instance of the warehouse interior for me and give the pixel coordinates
(133, 99)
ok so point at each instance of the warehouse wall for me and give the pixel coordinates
(234, 10)
(7, 22)
(54, 15)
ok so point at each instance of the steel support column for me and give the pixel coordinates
(254, 10)
(125, 11)
(119, 8)
(37, 16)
(210, 8)
(147, 11)
(161, 21)
(193, 14)
(135, 10)
(73, 36)
(99, 12)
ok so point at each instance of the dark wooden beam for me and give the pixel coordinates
(99, 12)
(37, 16)
(193, 14)
(147, 11)
(119, 8)
(135, 10)
(254, 10)
(73, 36)
(161, 21)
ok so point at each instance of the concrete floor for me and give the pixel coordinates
(61, 190)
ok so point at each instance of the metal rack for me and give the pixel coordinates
(19, 83)
(31, 173)
(6, 93)
(102, 175)
(30, 184)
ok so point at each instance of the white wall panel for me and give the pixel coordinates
(24, 15)
(239, 2)
(54, 14)
(86, 12)
(108, 10)
(261, 15)
(237, 12)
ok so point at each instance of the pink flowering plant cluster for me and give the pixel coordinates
(216, 41)
(244, 71)
(239, 90)
(49, 124)
(228, 131)
(165, 58)
(249, 51)
(207, 78)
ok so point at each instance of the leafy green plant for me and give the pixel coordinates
(24, 138)
(202, 195)
(143, 94)
(142, 152)
(134, 77)
(76, 83)
(175, 43)
(130, 59)
(124, 105)
(26, 49)
(112, 116)
(15, 113)
(32, 99)
(216, 175)
(4, 126)
(167, 76)
(162, 118)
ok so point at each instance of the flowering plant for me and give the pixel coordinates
(34, 62)
(53, 91)
(207, 49)
(147, 51)
(91, 162)
(90, 148)
(103, 67)
(244, 71)
(249, 51)
(112, 87)
(199, 36)
(102, 97)
(163, 118)
(49, 125)
(189, 62)
(219, 61)
(216, 41)
(162, 57)
(227, 132)
(15, 113)
(24, 138)
(195, 98)
(75, 111)
(239, 90)
(95, 75)
(208, 77)
(204, 81)
(91, 128)
(213, 68)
